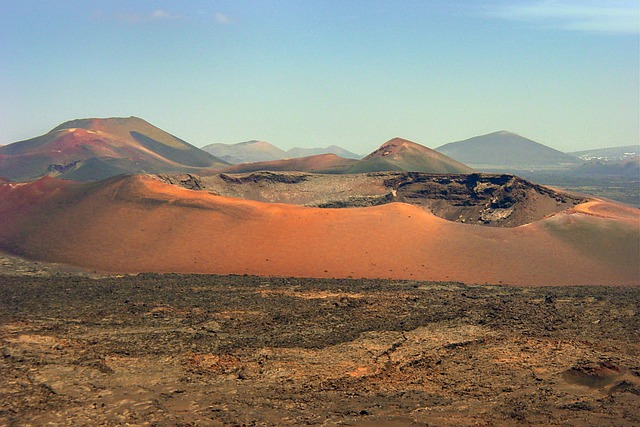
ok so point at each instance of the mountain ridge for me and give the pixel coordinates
(261, 151)
(609, 153)
(95, 148)
(245, 152)
(397, 154)
(331, 149)
(508, 150)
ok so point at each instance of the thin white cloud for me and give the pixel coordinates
(601, 16)
(157, 15)
(163, 15)
(160, 14)
(221, 18)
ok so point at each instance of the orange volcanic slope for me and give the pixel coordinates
(136, 223)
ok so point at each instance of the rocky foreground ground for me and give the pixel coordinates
(249, 351)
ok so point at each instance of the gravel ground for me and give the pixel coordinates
(249, 351)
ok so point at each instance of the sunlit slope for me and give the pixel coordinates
(394, 155)
(137, 224)
(402, 155)
(87, 149)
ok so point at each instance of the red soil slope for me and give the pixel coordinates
(88, 149)
(401, 154)
(135, 224)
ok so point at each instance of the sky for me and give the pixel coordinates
(312, 73)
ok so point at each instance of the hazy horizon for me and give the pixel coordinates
(314, 74)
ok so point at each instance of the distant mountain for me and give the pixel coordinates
(322, 163)
(243, 152)
(90, 149)
(628, 168)
(261, 151)
(394, 155)
(506, 150)
(332, 149)
(609, 154)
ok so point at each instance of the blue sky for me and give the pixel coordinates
(313, 73)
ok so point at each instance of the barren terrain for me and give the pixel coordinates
(403, 343)
(244, 350)
(132, 224)
(497, 200)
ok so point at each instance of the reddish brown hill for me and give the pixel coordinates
(394, 155)
(401, 154)
(88, 149)
(134, 224)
